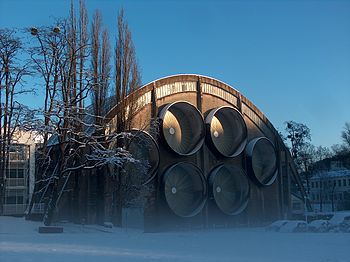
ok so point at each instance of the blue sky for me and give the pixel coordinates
(290, 58)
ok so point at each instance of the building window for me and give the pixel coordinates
(312, 184)
(16, 173)
(12, 173)
(15, 196)
(339, 183)
(20, 173)
(20, 200)
(18, 152)
(11, 200)
(344, 182)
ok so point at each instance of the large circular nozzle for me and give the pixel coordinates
(229, 186)
(226, 131)
(145, 156)
(262, 160)
(182, 127)
(185, 189)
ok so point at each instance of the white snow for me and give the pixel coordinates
(20, 241)
(339, 217)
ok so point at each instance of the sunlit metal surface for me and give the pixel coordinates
(182, 127)
(227, 131)
(229, 186)
(262, 160)
(185, 189)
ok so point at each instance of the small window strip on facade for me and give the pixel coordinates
(176, 87)
(218, 92)
(143, 100)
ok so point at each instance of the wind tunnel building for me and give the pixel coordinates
(215, 159)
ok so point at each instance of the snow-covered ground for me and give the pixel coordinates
(20, 241)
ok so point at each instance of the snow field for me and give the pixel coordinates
(20, 241)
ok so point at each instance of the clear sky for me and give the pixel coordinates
(290, 58)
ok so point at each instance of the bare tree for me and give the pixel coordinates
(322, 152)
(105, 70)
(345, 135)
(305, 160)
(101, 69)
(12, 113)
(100, 66)
(45, 61)
(127, 80)
(78, 142)
(95, 63)
(83, 44)
(127, 75)
(326, 189)
(298, 134)
(322, 177)
(56, 57)
(301, 150)
(75, 139)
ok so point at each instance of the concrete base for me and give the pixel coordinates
(50, 229)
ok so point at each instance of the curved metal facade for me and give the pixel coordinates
(208, 126)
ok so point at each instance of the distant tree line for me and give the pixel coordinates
(311, 159)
